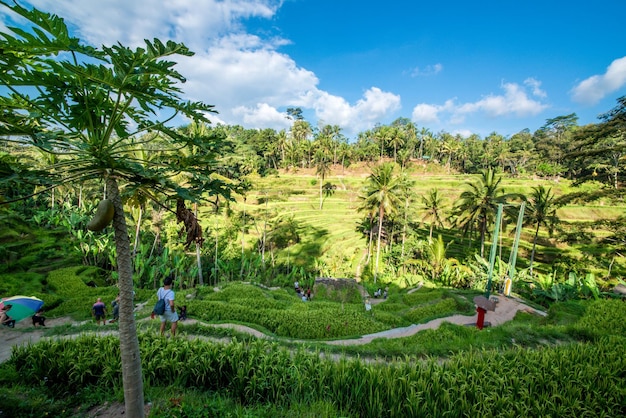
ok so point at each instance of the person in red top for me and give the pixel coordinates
(99, 311)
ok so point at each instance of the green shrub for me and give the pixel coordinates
(421, 314)
(421, 296)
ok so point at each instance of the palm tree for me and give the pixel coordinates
(322, 169)
(396, 138)
(540, 211)
(300, 132)
(449, 147)
(433, 206)
(382, 134)
(477, 206)
(408, 194)
(87, 109)
(281, 144)
(424, 136)
(437, 260)
(383, 191)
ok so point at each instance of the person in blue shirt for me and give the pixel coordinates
(166, 292)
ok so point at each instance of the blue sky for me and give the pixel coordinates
(459, 66)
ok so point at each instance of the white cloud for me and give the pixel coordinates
(593, 89)
(262, 115)
(244, 76)
(429, 113)
(536, 86)
(132, 21)
(426, 71)
(375, 105)
(514, 102)
(242, 71)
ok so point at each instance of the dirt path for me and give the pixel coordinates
(506, 310)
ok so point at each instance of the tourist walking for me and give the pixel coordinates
(169, 315)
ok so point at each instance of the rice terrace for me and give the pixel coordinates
(402, 273)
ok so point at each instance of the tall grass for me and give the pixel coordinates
(564, 380)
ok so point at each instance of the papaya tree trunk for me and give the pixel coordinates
(129, 343)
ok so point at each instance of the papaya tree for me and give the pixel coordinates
(91, 107)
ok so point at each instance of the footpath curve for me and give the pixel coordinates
(506, 309)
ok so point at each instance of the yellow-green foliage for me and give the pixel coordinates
(423, 295)
(421, 306)
(391, 307)
(70, 294)
(429, 311)
(282, 313)
(563, 380)
(306, 320)
(338, 294)
(605, 317)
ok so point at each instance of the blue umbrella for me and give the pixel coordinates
(22, 306)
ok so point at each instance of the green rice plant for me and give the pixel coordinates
(564, 380)
(424, 295)
(605, 317)
(391, 307)
(438, 309)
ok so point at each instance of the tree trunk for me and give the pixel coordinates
(380, 227)
(532, 253)
(406, 210)
(321, 195)
(369, 243)
(129, 344)
(243, 236)
(483, 231)
(264, 231)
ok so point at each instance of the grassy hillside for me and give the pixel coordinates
(329, 240)
(330, 236)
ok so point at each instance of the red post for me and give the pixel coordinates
(480, 321)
